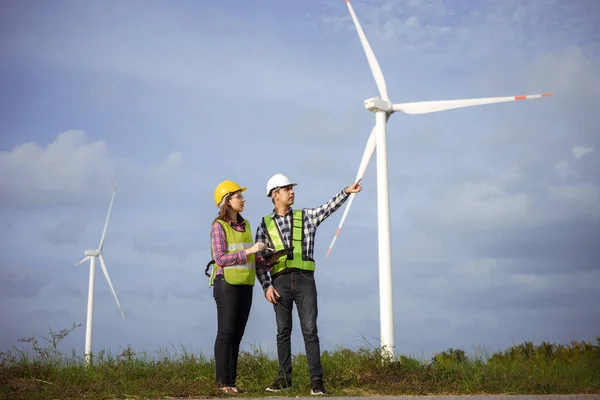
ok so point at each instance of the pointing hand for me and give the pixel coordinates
(354, 188)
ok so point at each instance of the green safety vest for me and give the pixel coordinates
(237, 274)
(297, 258)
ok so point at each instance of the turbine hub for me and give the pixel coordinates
(376, 104)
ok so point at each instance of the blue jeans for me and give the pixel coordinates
(233, 308)
(298, 287)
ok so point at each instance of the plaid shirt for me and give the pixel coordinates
(218, 242)
(312, 219)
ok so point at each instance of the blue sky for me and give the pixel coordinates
(495, 210)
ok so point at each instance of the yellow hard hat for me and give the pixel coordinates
(224, 188)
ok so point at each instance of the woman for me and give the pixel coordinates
(233, 279)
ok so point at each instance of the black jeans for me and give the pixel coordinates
(233, 307)
(298, 287)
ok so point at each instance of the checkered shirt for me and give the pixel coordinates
(218, 241)
(313, 217)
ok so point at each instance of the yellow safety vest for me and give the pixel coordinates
(237, 274)
(297, 259)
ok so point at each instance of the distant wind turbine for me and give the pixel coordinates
(92, 255)
(383, 108)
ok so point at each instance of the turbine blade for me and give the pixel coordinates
(103, 265)
(375, 69)
(107, 217)
(425, 107)
(84, 259)
(364, 163)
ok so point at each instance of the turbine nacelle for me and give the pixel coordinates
(92, 253)
(376, 104)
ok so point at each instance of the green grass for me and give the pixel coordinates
(44, 373)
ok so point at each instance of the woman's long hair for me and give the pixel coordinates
(224, 212)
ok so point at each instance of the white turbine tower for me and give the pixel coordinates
(383, 108)
(92, 255)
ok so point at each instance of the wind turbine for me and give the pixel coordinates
(92, 255)
(383, 109)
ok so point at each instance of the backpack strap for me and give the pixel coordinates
(211, 262)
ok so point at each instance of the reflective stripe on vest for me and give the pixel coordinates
(297, 259)
(237, 274)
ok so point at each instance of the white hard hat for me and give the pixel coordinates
(277, 181)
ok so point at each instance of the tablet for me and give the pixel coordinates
(281, 253)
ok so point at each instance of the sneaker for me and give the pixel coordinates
(318, 388)
(279, 384)
(229, 390)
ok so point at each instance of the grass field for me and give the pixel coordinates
(42, 372)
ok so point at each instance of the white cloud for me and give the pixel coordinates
(564, 170)
(68, 166)
(581, 151)
(164, 170)
(71, 169)
(533, 282)
(490, 206)
(581, 199)
(435, 27)
(483, 202)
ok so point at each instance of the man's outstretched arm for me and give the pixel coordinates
(320, 214)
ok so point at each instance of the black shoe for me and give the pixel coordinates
(318, 388)
(279, 384)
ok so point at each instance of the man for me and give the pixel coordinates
(292, 275)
